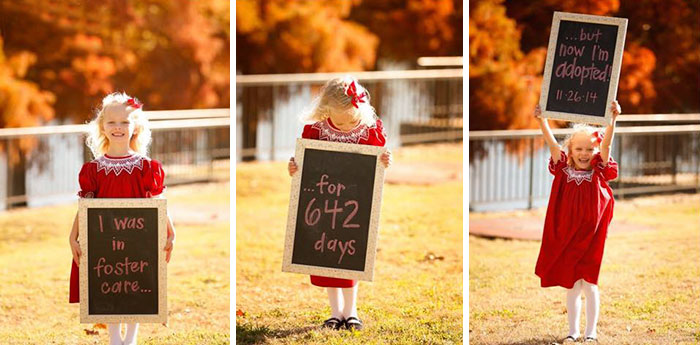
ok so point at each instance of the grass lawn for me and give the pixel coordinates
(649, 282)
(413, 300)
(35, 266)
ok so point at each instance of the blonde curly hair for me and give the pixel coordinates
(333, 98)
(581, 128)
(119, 101)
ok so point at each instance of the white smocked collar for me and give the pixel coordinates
(578, 175)
(330, 133)
(119, 164)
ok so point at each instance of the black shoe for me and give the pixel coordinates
(333, 323)
(353, 323)
(570, 339)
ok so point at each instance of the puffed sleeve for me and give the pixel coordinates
(558, 166)
(154, 179)
(609, 171)
(379, 134)
(309, 132)
(87, 178)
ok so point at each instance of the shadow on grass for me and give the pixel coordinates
(533, 341)
(248, 334)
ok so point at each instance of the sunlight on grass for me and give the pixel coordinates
(411, 301)
(35, 265)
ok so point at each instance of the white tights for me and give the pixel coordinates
(348, 307)
(573, 308)
(115, 337)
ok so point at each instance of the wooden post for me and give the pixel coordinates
(621, 189)
(674, 161)
(532, 163)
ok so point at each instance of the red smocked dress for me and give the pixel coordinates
(363, 135)
(576, 226)
(132, 176)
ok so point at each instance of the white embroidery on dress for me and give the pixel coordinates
(611, 163)
(117, 165)
(327, 132)
(578, 175)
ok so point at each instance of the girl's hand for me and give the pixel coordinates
(292, 167)
(538, 112)
(615, 109)
(75, 248)
(168, 249)
(385, 158)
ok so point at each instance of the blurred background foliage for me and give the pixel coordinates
(508, 45)
(59, 58)
(343, 35)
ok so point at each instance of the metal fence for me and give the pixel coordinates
(508, 169)
(40, 165)
(416, 106)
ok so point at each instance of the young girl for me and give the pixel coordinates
(579, 212)
(342, 113)
(119, 138)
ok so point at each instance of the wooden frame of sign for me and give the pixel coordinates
(124, 237)
(558, 99)
(338, 155)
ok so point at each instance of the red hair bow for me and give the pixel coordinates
(354, 97)
(134, 103)
(598, 136)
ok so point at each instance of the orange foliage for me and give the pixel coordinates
(535, 17)
(493, 37)
(636, 90)
(594, 7)
(22, 103)
(413, 28)
(171, 54)
(503, 82)
(670, 30)
(278, 36)
(660, 65)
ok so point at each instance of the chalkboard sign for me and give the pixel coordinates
(334, 210)
(122, 269)
(583, 67)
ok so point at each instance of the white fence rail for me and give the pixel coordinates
(191, 144)
(415, 106)
(508, 169)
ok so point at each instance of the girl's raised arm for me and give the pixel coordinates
(554, 148)
(609, 132)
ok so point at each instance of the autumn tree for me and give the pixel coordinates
(22, 103)
(171, 54)
(278, 36)
(666, 36)
(535, 21)
(661, 61)
(59, 58)
(503, 81)
(534, 18)
(413, 28)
